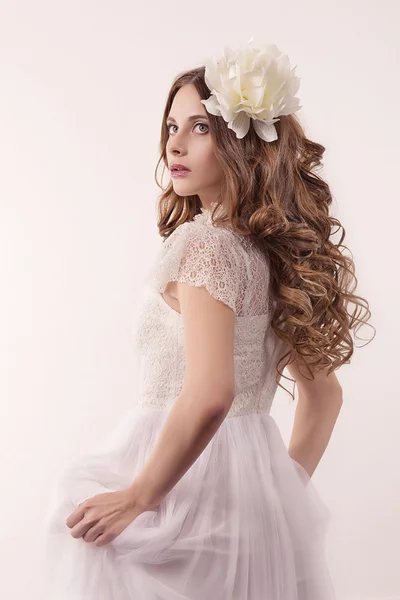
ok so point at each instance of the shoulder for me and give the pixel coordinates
(210, 246)
(214, 248)
(202, 256)
(207, 238)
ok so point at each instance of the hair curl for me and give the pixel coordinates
(275, 196)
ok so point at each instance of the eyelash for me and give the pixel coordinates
(198, 123)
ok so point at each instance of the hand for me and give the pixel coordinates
(101, 518)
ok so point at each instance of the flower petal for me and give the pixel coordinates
(212, 77)
(212, 105)
(240, 125)
(266, 131)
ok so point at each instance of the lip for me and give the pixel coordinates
(183, 168)
(184, 173)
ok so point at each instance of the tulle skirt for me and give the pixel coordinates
(245, 522)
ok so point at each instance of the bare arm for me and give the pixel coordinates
(317, 410)
(204, 401)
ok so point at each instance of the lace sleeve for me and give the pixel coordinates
(200, 256)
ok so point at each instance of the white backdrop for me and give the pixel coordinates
(83, 86)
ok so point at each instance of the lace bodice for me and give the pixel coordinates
(234, 271)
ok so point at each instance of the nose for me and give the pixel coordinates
(176, 145)
(177, 150)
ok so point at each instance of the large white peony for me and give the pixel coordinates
(252, 83)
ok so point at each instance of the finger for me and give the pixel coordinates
(81, 528)
(92, 534)
(76, 516)
(102, 540)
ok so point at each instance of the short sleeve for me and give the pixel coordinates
(201, 256)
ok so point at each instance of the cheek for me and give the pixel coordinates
(208, 162)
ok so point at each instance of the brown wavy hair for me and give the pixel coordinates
(274, 195)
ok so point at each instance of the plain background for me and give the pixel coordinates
(83, 86)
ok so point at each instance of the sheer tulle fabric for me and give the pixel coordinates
(244, 523)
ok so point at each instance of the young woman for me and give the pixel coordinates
(195, 494)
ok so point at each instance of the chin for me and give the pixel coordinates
(185, 190)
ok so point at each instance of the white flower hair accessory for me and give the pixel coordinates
(252, 83)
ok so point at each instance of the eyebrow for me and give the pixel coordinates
(191, 118)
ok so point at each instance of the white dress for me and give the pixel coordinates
(245, 522)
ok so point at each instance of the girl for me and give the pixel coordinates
(195, 495)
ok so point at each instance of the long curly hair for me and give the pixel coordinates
(274, 195)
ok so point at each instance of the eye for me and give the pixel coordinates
(195, 125)
(202, 124)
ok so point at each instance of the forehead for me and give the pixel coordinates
(187, 103)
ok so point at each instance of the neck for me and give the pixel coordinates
(209, 207)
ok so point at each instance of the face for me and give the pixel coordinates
(190, 143)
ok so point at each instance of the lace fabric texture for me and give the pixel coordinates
(233, 271)
(229, 266)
